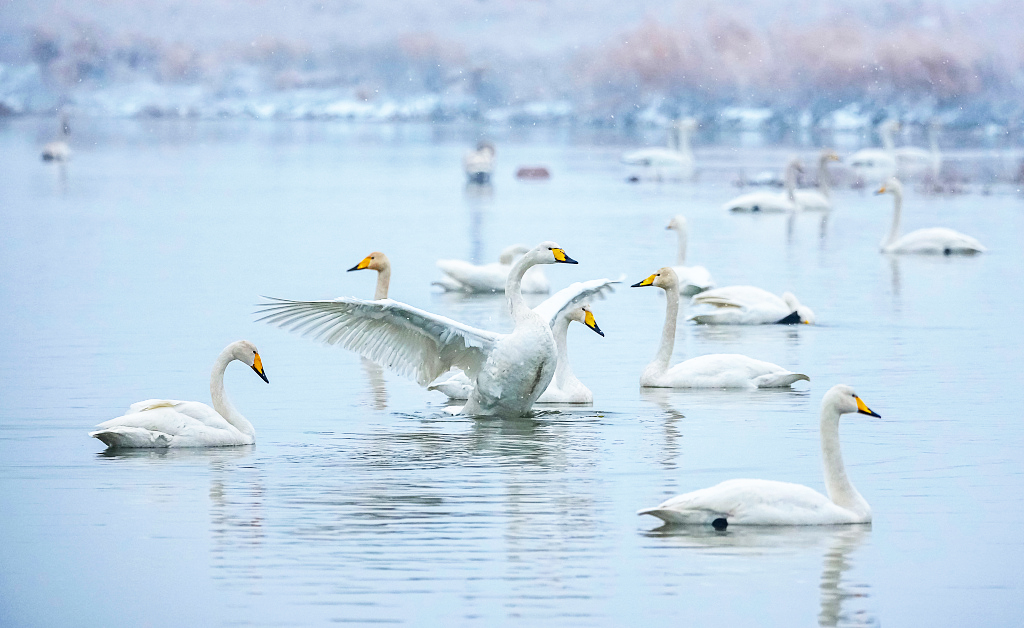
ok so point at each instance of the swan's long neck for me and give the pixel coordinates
(824, 178)
(840, 490)
(897, 207)
(221, 403)
(673, 137)
(681, 254)
(563, 372)
(886, 133)
(668, 333)
(684, 142)
(383, 281)
(791, 183)
(514, 289)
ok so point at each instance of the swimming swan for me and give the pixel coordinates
(58, 150)
(169, 423)
(676, 159)
(565, 306)
(721, 370)
(463, 276)
(769, 202)
(379, 262)
(479, 164)
(747, 305)
(820, 199)
(692, 279)
(933, 241)
(877, 163)
(767, 502)
(510, 371)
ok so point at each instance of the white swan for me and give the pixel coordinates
(769, 202)
(58, 150)
(767, 502)
(675, 160)
(379, 262)
(510, 371)
(169, 423)
(820, 199)
(461, 276)
(721, 370)
(692, 279)
(747, 305)
(876, 164)
(933, 241)
(567, 305)
(479, 163)
(912, 161)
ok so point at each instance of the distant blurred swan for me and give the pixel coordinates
(463, 276)
(912, 161)
(722, 370)
(769, 202)
(933, 241)
(876, 164)
(169, 423)
(59, 150)
(479, 163)
(565, 306)
(510, 371)
(675, 160)
(768, 502)
(692, 279)
(379, 262)
(820, 199)
(747, 305)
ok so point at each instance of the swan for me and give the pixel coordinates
(379, 262)
(721, 370)
(692, 279)
(479, 163)
(820, 199)
(877, 163)
(934, 241)
(170, 423)
(768, 502)
(677, 158)
(510, 371)
(912, 161)
(565, 306)
(461, 276)
(747, 305)
(58, 150)
(769, 202)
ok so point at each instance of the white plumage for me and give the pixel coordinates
(767, 502)
(674, 161)
(462, 276)
(692, 279)
(931, 241)
(748, 305)
(768, 202)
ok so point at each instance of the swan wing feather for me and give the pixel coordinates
(405, 339)
(573, 296)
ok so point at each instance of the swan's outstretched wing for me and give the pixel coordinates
(579, 293)
(405, 339)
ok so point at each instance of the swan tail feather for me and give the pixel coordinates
(780, 380)
(131, 437)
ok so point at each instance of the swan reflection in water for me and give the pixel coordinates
(377, 386)
(842, 602)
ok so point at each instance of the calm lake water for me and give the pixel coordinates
(363, 502)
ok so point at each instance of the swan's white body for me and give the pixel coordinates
(509, 371)
(461, 276)
(692, 279)
(877, 164)
(58, 150)
(169, 423)
(747, 305)
(766, 502)
(565, 306)
(768, 202)
(722, 370)
(675, 160)
(479, 164)
(931, 241)
(821, 198)
(912, 161)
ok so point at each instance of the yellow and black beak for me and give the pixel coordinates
(646, 282)
(363, 265)
(863, 409)
(588, 320)
(562, 258)
(880, 190)
(257, 365)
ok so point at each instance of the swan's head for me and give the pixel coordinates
(510, 253)
(664, 278)
(585, 316)
(842, 398)
(549, 253)
(678, 223)
(892, 125)
(804, 312)
(830, 155)
(245, 351)
(892, 186)
(374, 261)
(687, 124)
(484, 146)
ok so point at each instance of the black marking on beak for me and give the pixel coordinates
(567, 260)
(870, 413)
(261, 374)
(597, 329)
(792, 319)
(356, 267)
